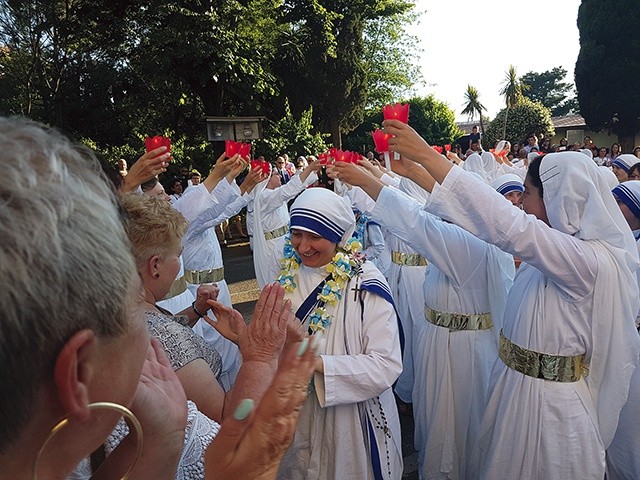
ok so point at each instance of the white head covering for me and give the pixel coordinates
(490, 166)
(625, 161)
(501, 146)
(414, 190)
(610, 177)
(587, 152)
(508, 183)
(485, 166)
(629, 194)
(320, 211)
(578, 202)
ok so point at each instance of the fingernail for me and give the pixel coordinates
(317, 338)
(243, 409)
(303, 347)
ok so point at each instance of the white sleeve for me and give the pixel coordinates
(375, 241)
(272, 199)
(230, 210)
(360, 200)
(453, 251)
(479, 209)
(390, 180)
(361, 376)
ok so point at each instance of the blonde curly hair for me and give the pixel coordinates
(154, 226)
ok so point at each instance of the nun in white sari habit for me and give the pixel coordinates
(569, 314)
(569, 345)
(349, 426)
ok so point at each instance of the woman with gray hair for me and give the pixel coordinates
(71, 300)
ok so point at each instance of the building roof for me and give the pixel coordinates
(466, 126)
(568, 121)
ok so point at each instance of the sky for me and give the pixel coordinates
(469, 42)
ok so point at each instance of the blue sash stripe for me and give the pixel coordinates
(375, 455)
(379, 288)
(310, 301)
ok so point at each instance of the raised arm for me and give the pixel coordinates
(479, 209)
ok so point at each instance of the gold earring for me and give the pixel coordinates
(124, 411)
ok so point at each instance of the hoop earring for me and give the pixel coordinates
(124, 411)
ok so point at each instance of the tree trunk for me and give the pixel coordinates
(627, 142)
(482, 140)
(336, 135)
(504, 127)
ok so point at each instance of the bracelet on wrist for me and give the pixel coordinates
(195, 310)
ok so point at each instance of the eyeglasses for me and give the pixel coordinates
(634, 176)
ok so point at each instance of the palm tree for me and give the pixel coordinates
(512, 92)
(473, 105)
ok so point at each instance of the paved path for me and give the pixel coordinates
(241, 278)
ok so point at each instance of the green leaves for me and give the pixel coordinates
(524, 118)
(608, 67)
(550, 89)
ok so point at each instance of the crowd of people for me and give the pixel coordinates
(493, 295)
(538, 143)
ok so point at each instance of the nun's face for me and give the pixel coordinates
(314, 250)
(532, 202)
(621, 175)
(632, 220)
(514, 197)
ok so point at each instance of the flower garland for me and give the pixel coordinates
(343, 266)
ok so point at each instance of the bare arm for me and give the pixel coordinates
(146, 167)
(221, 169)
(410, 145)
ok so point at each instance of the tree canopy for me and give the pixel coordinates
(608, 67)
(524, 118)
(550, 89)
(113, 72)
(432, 119)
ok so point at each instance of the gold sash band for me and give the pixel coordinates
(197, 277)
(277, 233)
(408, 259)
(458, 321)
(541, 365)
(179, 286)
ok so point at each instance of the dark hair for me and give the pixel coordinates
(634, 167)
(534, 173)
(149, 184)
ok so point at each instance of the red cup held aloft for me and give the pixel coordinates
(151, 143)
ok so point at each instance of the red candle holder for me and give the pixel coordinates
(399, 111)
(381, 140)
(151, 143)
(323, 158)
(264, 167)
(244, 150)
